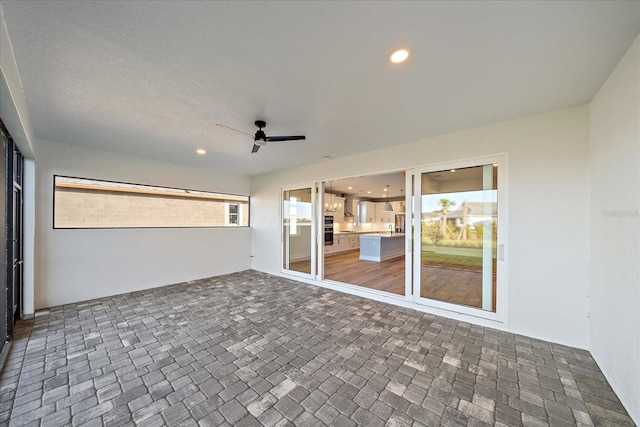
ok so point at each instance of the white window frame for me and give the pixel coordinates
(227, 213)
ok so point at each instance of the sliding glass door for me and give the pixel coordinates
(451, 254)
(11, 262)
(456, 237)
(298, 231)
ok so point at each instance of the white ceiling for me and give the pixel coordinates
(153, 78)
(369, 186)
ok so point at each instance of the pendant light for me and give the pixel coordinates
(387, 206)
(401, 208)
(329, 207)
(332, 206)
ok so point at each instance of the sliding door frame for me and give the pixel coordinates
(413, 248)
(6, 285)
(408, 235)
(315, 225)
(11, 260)
(501, 266)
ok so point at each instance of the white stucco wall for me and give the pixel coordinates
(615, 230)
(547, 190)
(13, 107)
(76, 265)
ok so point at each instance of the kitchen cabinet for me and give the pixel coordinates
(367, 212)
(329, 249)
(342, 243)
(354, 241)
(385, 217)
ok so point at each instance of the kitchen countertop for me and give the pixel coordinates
(383, 235)
(372, 233)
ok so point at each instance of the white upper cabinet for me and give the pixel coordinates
(383, 216)
(367, 212)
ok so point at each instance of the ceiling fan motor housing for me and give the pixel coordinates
(260, 138)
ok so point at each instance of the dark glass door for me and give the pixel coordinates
(6, 289)
(17, 234)
(11, 256)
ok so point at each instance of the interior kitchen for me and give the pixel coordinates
(364, 241)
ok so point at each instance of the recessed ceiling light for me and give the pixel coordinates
(398, 56)
(349, 188)
(368, 192)
(452, 170)
(385, 189)
(201, 151)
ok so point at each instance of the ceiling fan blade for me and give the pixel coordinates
(260, 139)
(234, 130)
(285, 138)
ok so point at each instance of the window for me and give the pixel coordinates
(233, 213)
(90, 203)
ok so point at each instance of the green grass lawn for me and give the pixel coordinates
(451, 261)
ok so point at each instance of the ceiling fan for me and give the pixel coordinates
(260, 139)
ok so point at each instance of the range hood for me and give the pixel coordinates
(348, 206)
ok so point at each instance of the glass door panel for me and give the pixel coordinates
(458, 236)
(297, 230)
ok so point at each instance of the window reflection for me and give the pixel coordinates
(459, 234)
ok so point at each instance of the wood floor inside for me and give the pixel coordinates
(456, 286)
(385, 276)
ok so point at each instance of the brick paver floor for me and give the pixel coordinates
(251, 349)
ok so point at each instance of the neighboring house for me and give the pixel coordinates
(475, 214)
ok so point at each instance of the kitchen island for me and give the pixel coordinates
(381, 246)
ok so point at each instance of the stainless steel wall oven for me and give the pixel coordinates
(328, 230)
